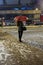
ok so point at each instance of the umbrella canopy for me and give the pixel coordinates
(21, 18)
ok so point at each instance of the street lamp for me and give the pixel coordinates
(36, 9)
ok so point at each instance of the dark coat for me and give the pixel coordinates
(20, 25)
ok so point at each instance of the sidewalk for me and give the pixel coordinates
(30, 26)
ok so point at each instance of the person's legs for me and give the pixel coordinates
(20, 35)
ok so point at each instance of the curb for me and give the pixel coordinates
(30, 26)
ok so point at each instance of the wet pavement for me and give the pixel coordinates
(12, 52)
(33, 37)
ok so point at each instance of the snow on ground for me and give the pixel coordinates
(3, 52)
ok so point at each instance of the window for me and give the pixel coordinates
(8, 2)
(1, 2)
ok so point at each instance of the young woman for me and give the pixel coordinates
(20, 30)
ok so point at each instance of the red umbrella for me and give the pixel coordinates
(21, 18)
